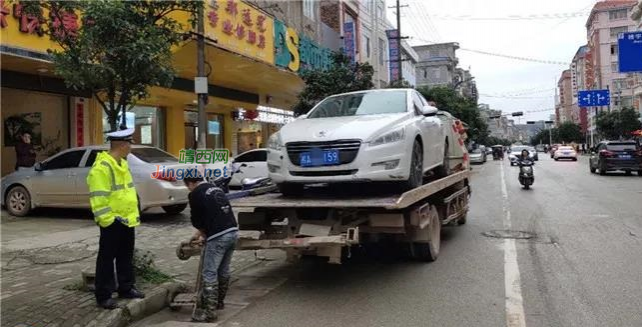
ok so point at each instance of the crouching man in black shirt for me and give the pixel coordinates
(214, 221)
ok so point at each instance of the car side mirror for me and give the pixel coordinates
(38, 167)
(429, 111)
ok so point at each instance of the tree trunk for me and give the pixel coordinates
(112, 119)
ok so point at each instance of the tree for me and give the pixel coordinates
(399, 84)
(342, 76)
(120, 50)
(569, 132)
(463, 108)
(618, 124)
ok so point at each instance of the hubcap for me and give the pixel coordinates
(18, 201)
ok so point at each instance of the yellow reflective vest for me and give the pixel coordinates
(111, 192)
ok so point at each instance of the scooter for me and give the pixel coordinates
(526, 176)
(246, 184)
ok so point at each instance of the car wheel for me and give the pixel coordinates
(415, 177)
(640, 173)
(574, 159)
(627, 172)
(291, 189)
(557, 159)
(444, 169)
(602, 172)
(18, 201)
(591, 169)
(175, 209)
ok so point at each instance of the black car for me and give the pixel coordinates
(616, 155)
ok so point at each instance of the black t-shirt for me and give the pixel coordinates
(211, 211)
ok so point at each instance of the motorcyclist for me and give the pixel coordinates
(524, 158)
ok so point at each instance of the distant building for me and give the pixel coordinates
(437, 64)
(564, 86)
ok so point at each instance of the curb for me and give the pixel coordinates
(154, 301)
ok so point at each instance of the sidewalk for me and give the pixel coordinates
(40, 274)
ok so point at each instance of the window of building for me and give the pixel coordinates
(308, 9)
(148, 123)
(614, 49)
(380, 13)
(614, 67)
(436, 72)
(615, 31)
(618, 14)
(366, 42)
(382, 51)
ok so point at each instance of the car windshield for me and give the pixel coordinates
(621, 146)
(519, 148)
(477, 151)
(358, 104)
(153, 155)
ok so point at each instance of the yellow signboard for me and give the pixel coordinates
(239, 27)
(21, 30)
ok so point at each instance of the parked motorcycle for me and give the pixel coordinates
(526, 176)
(246, 184)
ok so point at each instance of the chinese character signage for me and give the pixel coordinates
(240, 28)
(203, 156)
(630, 52)
(21, 29)
(349, 45)
(297, 52)
(394, 49)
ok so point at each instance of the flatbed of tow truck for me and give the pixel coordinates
(324, 200)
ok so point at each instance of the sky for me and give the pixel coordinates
(514, 28)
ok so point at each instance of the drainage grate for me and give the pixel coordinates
(514, 234)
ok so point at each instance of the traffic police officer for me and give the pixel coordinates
(115, 207)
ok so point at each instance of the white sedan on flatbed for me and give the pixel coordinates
(376, 135)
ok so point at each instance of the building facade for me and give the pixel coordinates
(564, 86)
(256, 51)
(437, 64)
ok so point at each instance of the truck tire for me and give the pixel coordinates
(291, 189)
(444, 170)
(429, 251)
(416, 176)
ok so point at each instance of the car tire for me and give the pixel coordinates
(591, 169)
(415, 176)
(444, 170)
(602, 172)
(574, 159)
(557, 159)
(640, 173)
(627, 172)
(291, 189)
(175, 209)
(18, 201)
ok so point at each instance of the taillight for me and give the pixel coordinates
(606, 153)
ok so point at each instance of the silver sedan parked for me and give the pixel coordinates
(61, 181)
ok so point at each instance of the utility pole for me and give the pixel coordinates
(399, 38)
(200, 83)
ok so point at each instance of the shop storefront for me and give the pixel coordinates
(148, 123)
(253, 128)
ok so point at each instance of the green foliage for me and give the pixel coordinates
(491, 140)
(144, 268)
(342, 76)
(120, 49)
(618, 124)
(461, 107)
(569, 132)
(399, 84)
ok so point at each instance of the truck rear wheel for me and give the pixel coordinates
(429, 251)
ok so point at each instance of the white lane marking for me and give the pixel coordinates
(515, 316)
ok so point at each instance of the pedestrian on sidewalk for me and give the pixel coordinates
(25, 153)
(212, 216)
(115, 206)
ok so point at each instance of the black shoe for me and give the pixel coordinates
(109, 304)
(132, 294)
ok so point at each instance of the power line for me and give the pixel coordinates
(541, 61)
(429, 21)
(514, 17)
(513, 97)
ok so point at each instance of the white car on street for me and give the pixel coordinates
(376, 135)
(565, 152)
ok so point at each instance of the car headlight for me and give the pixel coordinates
(275, 142)
(390, 137)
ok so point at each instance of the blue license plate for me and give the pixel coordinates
(625, 156)
(319, 158)
(567, 153)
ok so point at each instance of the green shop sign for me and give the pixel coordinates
(297, 52)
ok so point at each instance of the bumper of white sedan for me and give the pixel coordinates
(388, 162)
(160, 193)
